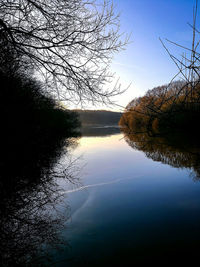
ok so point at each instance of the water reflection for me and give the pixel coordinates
(177, 150)
(106, 130)
(129, 210)
(123, 198)
(29, 181)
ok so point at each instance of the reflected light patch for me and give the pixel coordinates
(97, 141)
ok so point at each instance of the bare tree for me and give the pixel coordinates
(188, 62)
(68, 43)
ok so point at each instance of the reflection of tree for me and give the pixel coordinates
(178, 151)
(30, 192)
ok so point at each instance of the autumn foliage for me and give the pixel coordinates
(174, 106)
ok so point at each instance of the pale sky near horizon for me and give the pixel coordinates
(145, 63)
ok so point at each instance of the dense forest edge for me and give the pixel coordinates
(174, 107)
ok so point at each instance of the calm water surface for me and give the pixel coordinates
(128, 209)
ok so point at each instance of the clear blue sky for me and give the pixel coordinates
(145, 64)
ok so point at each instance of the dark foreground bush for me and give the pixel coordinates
(26, 111)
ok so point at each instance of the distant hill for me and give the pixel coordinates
(99, 117)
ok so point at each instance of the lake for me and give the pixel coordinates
(135, 203)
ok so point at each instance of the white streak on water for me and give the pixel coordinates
(96, 185)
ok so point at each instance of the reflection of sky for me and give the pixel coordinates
(145, 63)
(110, 158)
(128, 198)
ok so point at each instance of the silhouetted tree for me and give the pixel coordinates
(68, 43)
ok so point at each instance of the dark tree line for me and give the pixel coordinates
(102, 117)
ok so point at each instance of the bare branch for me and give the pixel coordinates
(71, 42)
